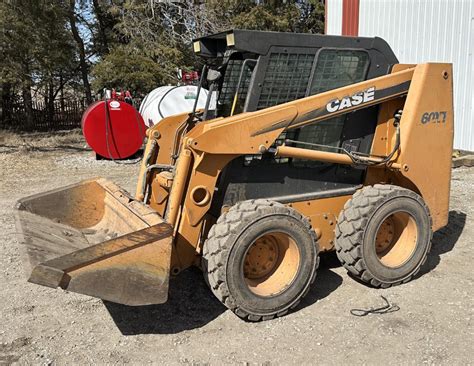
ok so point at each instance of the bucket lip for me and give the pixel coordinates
(90, 270)
(20, 204)
(25, 212)
(88, 255)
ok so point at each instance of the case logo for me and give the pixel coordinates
(347, 102)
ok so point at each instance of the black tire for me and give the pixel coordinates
(234, 236)
(383, 235)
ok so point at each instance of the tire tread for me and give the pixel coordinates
(217, 246)
(351, 225)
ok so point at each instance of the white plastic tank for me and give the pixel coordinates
(169, 100)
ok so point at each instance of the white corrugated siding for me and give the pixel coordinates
(422, 31)
(334, 17)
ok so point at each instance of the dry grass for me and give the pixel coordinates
(42, 141)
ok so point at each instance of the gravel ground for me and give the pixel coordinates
(46, 326)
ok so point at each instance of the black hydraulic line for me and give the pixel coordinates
(208, 102)
(361, 158)
(203, 71)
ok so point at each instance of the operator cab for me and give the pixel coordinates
(257, 70)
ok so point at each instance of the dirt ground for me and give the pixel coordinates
(39, 325)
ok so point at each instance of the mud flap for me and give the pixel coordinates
(94, 239)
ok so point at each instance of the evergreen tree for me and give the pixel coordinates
(52, 48)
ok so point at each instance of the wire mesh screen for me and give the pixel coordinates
(244, 86)
(334, 69)
(326, 132)
(286, 78)
(229, 84)
(338, 68)
(229, 87)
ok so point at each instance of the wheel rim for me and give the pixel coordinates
(396, 239)
(271, 264)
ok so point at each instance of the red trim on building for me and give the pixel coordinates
(350, 17)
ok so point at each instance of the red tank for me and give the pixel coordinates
(115, 132)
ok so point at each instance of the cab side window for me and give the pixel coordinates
(334, 69)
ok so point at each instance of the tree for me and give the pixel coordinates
(105, 24)
(126, 68)
(305, 16)
(312, 20)
(155, 32)
(84, 67)
(35, 48)
(150, 41)
(55, 48)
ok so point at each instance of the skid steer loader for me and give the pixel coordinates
(308, 143)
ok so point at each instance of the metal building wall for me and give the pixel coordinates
(333, 17)
(427, 30)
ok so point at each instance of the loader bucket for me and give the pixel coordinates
(94, 239)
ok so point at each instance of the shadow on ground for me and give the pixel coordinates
(326, 282)
(192, 305)
(444, 240)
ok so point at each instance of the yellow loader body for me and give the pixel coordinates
(354, 156)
